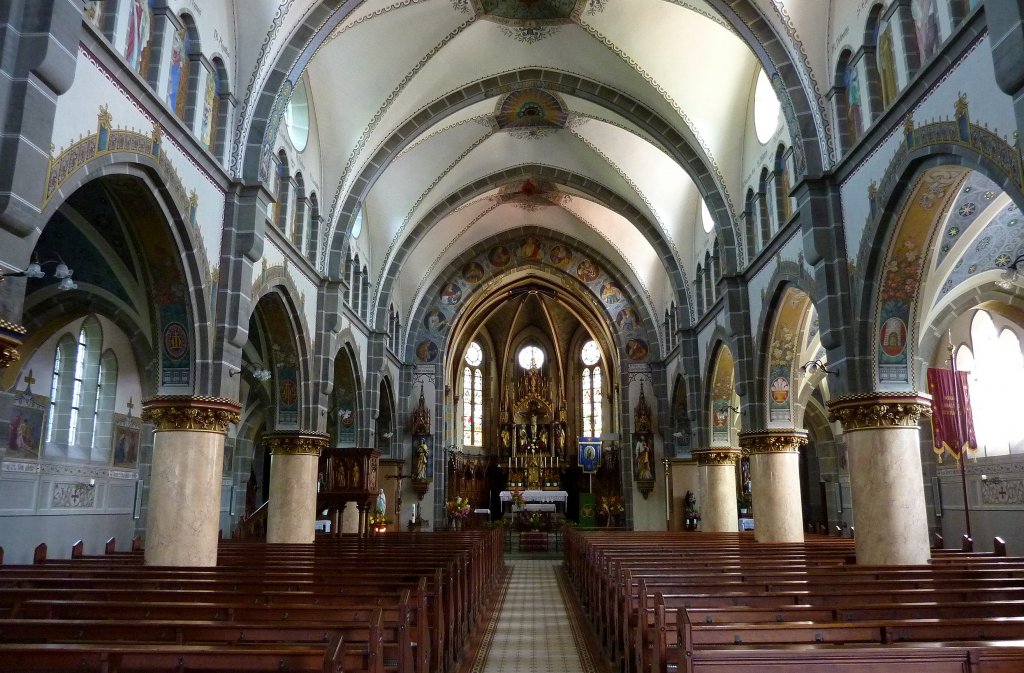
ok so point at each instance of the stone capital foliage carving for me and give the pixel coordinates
(869, 411)
(772, 441)
(722, 455)
(11, 336)
(190, 413)
(284, 443)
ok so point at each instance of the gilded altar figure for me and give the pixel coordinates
(533, 471)
(506, 438)
(422, 452)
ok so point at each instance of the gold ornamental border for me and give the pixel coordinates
(287, 443)
(191, 413)
(871, 411)
(723, 455)
(11, 337)
(772, 441)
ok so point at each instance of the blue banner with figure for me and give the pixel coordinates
(590, 453)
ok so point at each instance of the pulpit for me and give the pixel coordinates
(344, 476)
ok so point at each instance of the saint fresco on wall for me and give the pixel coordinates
(887, 63)
(854, 115)
(139, 23)
(126, 439)
(28, 425)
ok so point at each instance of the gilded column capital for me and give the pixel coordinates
(289, 443)
(786, 440)
(867, 411)
(191, 413)
(11, 336)
(717, 455)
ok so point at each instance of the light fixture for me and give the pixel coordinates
(1011, 275)
(258, 373)
(35, 270)
(816, 370)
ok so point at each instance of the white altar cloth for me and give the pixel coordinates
(537, 496)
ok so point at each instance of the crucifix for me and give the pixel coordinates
(399, 478)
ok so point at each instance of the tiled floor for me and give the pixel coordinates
(534, 632)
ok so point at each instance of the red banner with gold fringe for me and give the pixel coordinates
(952, 420)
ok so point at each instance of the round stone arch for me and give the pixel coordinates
(291, 374)
(764, 408)
(189, 251)
(511, 238)
(718, 344)
(680, 286)
(890, 204)
(41, 327)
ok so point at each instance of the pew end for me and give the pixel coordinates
(39, 555)
(78, 549)
(998, 546)
(111, 546)
(966, 543)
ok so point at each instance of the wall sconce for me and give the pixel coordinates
(816, 370)
(1012, 275)
(258, 373)
(35, 270)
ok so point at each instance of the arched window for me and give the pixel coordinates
(784, 204)
(698, 289)
(80, 382)
(299, 216)
(590, 393)
(215, 109)
(364, 294)
(750, 228)
(473, 397)
(281, 189)
(709, 281)
(847, 102)
(106, 392)
(764, 213)
(313, 236)
(996, 365)
(873, 83)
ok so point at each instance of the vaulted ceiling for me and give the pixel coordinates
(449, 122)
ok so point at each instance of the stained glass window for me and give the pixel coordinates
(473, 397)
(590, 395)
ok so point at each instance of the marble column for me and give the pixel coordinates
(885, 475)
(717, 505)
(775, 483)
(183, 520)
(294, 459)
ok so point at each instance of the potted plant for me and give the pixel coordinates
(610, 507)
(379, 523)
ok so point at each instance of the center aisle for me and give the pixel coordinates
(534, 632)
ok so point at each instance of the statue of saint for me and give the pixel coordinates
(506, 437)
(422, 452)
(559, 438)
(381, 507)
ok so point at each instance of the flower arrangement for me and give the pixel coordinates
(533, 520)
(380, 520)
(458, 508)
(518, 500)
(611, 505)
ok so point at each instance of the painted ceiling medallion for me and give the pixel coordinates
(527, 21)
(530, 113)
(529, 13)
(531, 194)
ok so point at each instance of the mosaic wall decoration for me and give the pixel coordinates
(902, 273)
(721, 397)
(536, 250)
(782, 354)
(975, 196)
(73, 496)
(175, 345)
(530, 109)
(996, 247)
